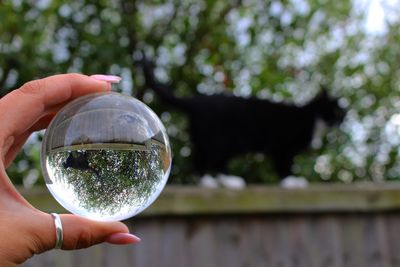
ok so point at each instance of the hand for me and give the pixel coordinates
(24, 230)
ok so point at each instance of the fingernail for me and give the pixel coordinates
(106, 78)
(122, 239)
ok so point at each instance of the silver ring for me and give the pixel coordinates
(59, 230)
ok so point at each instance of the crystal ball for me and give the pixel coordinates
(105, 156)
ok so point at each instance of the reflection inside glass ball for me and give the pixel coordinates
(106, 157)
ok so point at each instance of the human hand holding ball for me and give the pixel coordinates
(31, 108)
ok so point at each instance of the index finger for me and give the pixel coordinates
(23, 107)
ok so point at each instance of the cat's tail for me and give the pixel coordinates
(162, 90)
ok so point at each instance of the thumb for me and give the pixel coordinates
(79, 232)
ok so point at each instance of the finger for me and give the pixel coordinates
(13, 151)
(44, 121)
(23, 107)
(82, 233)
(79, 232)
(9, 192)
(21, 139)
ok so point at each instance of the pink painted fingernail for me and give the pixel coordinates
(106, 78)
(122, 239)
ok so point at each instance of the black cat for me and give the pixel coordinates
(79, 161)
(224, 126)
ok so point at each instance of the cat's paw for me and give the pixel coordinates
(231, 181)
(208, 181)
(294, 182)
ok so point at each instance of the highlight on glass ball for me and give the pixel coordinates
(106, 156)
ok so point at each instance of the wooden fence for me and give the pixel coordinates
(324, 225)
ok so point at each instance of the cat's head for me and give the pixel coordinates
(327, 108)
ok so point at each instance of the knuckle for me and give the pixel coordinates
(37, 245)
(73, 79)
(75, 76)
(84, 239)
(34, 87)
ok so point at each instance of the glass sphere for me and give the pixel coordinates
(106, 156)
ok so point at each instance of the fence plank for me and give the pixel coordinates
(227, 233)
(280, 241)
(325, 233)
(392, 224)
(88, 257)
(302, 252)
(173, 236)
(147, 252)
(116, 256)
(353, 240)
(201, 243)
(376, 251)
(254, 246)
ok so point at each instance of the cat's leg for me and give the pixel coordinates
(231, 181)
(202, 166)
(283, 165)
(224, 179)
(218, 164)
(294, 182)
(208, 181)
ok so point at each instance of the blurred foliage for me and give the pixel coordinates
(279, 50)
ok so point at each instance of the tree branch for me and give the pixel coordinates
(197, 40)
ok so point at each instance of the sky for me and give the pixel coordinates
(377, 12)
